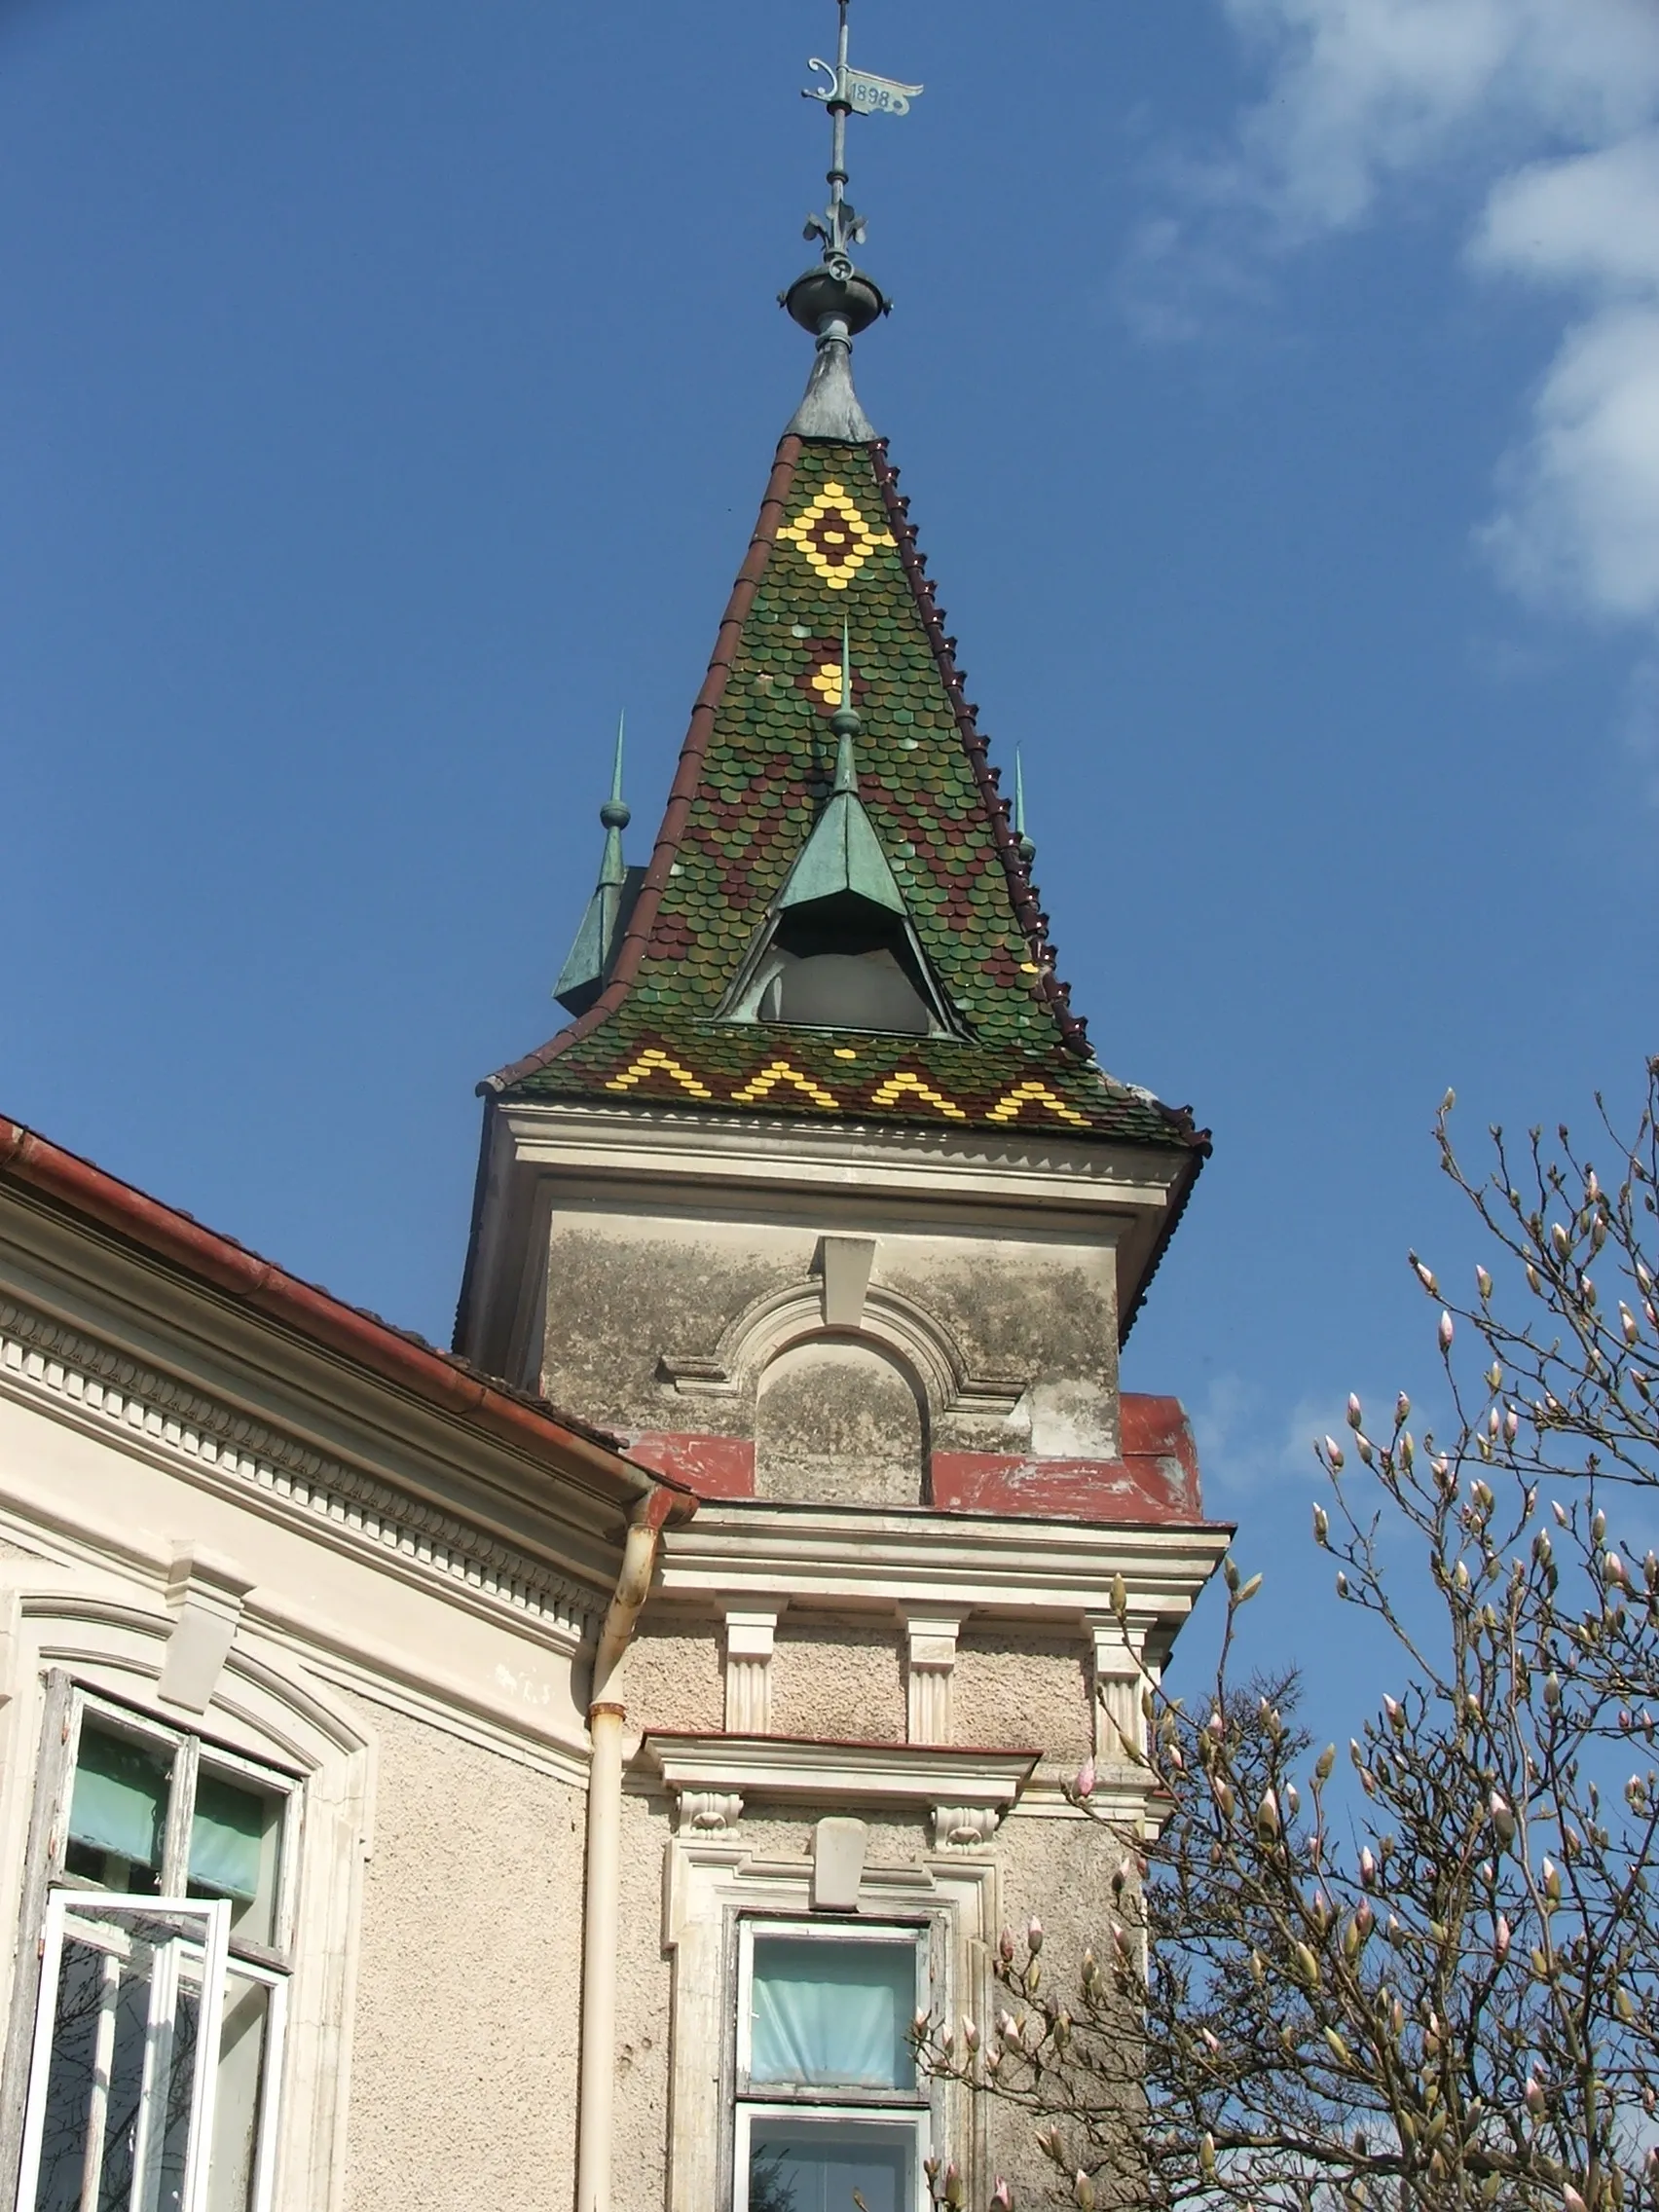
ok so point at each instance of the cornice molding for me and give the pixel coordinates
(654, 1139)
(964, 1792)
(60, 1370)
(973, 1562)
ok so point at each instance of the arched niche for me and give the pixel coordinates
(840, 1421)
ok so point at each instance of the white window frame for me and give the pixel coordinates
(894, 2110)
(52, 1890)
(67, 1916)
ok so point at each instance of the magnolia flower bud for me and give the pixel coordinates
(1483, 1282)
(1534, 2095)
(1005, 1947)
(1571, 2200)
(1321, 1525)
(1356, 1412)
(1502, 1818)
(1425, 1275)
(1444, 1331)
(1083, 2189)
(1613, 1569)
(1034, 1935)
(1334, 1454)
(1367, 1867)
(1002, 2197)
(1267, 1815)
(1085, 1779)
(1501, 1941)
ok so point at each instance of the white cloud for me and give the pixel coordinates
(1545, 114)
(1580, 522)
(1361, 91)
(1243, 1442)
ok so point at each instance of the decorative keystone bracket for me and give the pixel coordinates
(964, 1792)
(204, 1596)
(707, 1812)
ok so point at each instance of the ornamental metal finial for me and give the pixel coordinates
(835, 300)
(846, 721)
(616, 815)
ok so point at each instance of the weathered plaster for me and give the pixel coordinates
(673, 1676)
(838, 1422)
(625, 1292)
(1015, 1689)
(643, 2013)
(838, 1680)
(464, 2048)
(1061, 1871)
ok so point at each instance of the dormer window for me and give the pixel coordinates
(841, 964)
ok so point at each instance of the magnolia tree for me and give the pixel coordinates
(1421, 1971)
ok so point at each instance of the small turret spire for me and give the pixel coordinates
(846, 723)
(584, 975)
(616, 815)
(835, 300)
(1027, 850)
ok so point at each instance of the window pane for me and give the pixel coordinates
(118, 1815)
(815, 2167)
(834, 2016)
(235, 2160)
(121, 2081)
(236, 1836)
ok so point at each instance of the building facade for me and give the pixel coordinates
(410, 1790)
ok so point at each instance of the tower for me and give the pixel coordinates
(824, 1207)
(824, 1193)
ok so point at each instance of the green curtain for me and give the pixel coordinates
(120, 1803)
(227, 1838)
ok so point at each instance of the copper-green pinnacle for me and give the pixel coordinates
(582, 976)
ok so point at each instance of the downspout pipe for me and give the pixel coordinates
(602, 1913)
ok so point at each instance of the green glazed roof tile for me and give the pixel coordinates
(834, 545)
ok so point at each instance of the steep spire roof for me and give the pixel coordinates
(833, 545)
(886, 866)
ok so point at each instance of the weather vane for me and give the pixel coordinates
(849, 91)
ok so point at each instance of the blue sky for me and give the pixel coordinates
(386, 395)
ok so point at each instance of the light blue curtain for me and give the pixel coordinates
(120, 1803)
(227, 1837)
(835, 2015)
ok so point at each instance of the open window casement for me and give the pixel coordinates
(161, 1901)
(123, 2072)
(827, 2094)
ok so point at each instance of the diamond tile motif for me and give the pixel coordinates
(833, 535)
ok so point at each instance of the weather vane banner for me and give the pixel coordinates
(862, 93)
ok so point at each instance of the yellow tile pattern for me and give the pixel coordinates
(889, 1092)
(779, 1071)
(834, 539)
(1034, 1093)
(651, 1062)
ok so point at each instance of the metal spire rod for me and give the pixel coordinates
(850, 92)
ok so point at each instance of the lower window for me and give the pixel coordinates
(165, 1914)
(799, 2165)
(827, 2100)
